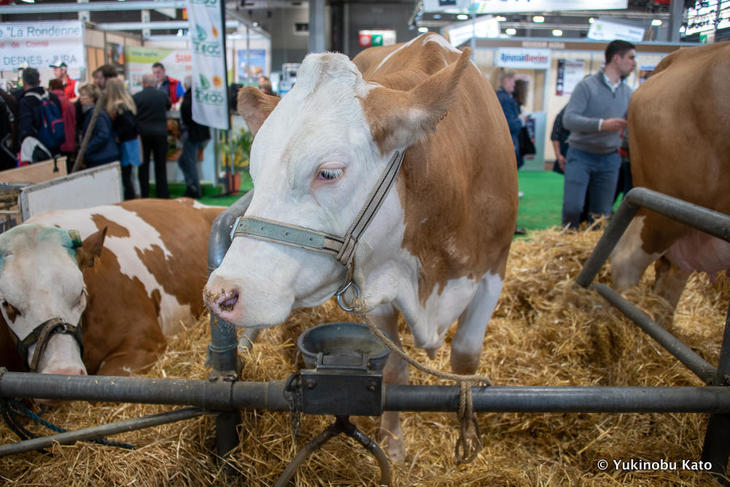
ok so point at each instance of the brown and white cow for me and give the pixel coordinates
(436, 251)
(137, 274)
(680, 145)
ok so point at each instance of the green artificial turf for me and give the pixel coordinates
(539, 207)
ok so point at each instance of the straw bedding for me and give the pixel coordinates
(545, 331)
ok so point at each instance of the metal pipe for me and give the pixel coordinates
(101, 431)
(709, 221)
(561, 399)
(222, 354)
(682, 352)
(219, 395)
(616, 227)
(270, 395)
(716, 448)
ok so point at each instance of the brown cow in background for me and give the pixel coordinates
(679, 138)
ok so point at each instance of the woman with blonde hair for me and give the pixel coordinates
(101, 148)
(122, 110)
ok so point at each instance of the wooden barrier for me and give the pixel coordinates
(35, 173)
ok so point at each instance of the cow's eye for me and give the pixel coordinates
(329, 174)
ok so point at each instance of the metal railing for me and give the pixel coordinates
(716, 447)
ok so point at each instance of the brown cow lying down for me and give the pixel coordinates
(678, 135)
(134, 274)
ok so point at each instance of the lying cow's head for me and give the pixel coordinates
(316, 156)
(41, 283)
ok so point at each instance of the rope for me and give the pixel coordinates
(465, 450)
(13, 409)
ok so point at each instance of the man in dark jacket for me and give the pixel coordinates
(30, 116)
(152, 106)
(194, 138)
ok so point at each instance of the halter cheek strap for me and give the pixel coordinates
(341, 248)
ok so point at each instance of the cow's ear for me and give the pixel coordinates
(255, 106)
(90, 248)
(399, 119)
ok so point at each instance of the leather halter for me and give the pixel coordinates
(341, 248)
(41, 335)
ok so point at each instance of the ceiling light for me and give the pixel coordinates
(510, 31)
(255, 24)
(591, 20)
(499, 18)
(423, 30)
(462, 17)
(656, 22)
(557, 32)
(437, 16)
(538, 19)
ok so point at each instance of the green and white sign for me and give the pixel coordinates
(210, 90)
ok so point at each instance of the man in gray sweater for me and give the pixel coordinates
(596, 118)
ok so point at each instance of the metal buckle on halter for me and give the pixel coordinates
(341, 293)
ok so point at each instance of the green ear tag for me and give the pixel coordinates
(75, 238)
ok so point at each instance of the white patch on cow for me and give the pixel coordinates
(385, 59)
(142, 237)
(200, 206)
(436, 39)
(628, 260)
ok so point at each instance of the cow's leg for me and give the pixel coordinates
(670, 281)
(628, 259)
(466, 346)
(385, 317)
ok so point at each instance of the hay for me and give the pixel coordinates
(545, 331)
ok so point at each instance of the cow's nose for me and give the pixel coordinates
(227, 301)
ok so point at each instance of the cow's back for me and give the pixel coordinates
(678, 127)
(458, 187)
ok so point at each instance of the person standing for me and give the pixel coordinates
(122, 111)
(152, 106)
(30, 107)
(168, 85)
(102, 148)
(596, 118)
(60, 71)
(505, 87)
(195, 136)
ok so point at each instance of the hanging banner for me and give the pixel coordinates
(40, 44)
(210, 88)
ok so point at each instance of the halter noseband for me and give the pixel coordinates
(42, 334)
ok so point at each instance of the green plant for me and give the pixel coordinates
(241, 147)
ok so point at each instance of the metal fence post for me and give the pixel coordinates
(717, 438)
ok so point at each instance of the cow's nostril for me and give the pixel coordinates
(228, 301)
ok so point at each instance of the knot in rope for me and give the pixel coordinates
(466, 449)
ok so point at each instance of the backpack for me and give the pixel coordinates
(52, 132)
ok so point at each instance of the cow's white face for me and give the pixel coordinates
(40, 279)
(314, 161)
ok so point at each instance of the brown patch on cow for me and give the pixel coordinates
(458, 187)
(131, 337)
(90, 248)
(180, 277)
(255, 106)
(683, 156)
(113, 229)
